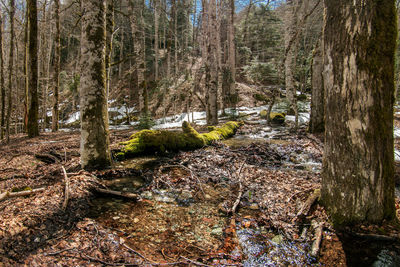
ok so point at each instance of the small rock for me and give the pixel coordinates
(116, 218)
(253, 206)
(136, 220)
(278, 239)
(217, 231)
(207, 197)
(147, 195)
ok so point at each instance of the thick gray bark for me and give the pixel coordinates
(359, 41)
(317, 94)
(95, 152)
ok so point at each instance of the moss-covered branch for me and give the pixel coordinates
(152, 141)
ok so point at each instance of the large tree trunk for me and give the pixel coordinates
(109, 41)
(95, 153)
(55, 111)
(10, 69)
(291, 45)
(317, 118)
(359, 41)
(33, 112)
(3, 91)
(232, 56)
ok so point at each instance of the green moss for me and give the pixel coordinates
(275, 117)
(20, 189)
(153, 141)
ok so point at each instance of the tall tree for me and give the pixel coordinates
(317, 116)
(33, 112)
(2, 89)
(211, 67)
(95, 153)
(359, 41)
(57, 61)
(156, 44)
(10, 69)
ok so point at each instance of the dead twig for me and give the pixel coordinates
(237, 201)
(8, 194)
(117, 193)
(307, 205)
(66, 192)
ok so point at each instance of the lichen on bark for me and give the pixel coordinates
(94, 115)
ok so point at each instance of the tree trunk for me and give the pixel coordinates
(291, 44)
(33, 112)
(359, 44)
(3, 91)
(176, 65)
(156, 40)
(232, 57)
(317, 117)
(57, 60)
(95, 153)
(109, 40)
(10, 69)
(212, 67)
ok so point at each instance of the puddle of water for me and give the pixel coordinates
(261, 251)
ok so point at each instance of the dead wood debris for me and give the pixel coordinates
(66, 192)
(9, 194)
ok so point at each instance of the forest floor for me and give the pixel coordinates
(183, 215)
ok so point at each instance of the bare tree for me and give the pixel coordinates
(57, 61)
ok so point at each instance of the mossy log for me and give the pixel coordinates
(153, 141)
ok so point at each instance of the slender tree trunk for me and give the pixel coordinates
(2, 89)
(121, 54)
(33, 111)
(95, 153)
(10, 70)
(176, 65)
(359, 44)
(317, 117)
(57, 62)
(232, 56)
(291, 44)
(109, 40)
(156, 53)
(26, 73)
(212, 62)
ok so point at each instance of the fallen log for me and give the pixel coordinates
(9, 194)
(160, 141)
(117, 193)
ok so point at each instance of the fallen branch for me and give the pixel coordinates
(8, 194)
(237, 201)
(307, 205)
(66, 192)
(375, 237)
(317, 240)
(117, 193)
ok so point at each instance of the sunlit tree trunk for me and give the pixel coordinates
(57, 60)
(95, 153)
(317, 117)
(359, 44)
